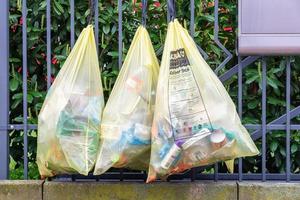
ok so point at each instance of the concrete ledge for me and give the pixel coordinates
(198, 190)
(130, 191)
(268, 191)
(21, 190)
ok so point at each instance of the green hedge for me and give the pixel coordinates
(108, 57)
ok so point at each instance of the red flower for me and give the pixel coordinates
(141, 5)
(54, 61)
(228, 29)
(156, 4)
(21, 21)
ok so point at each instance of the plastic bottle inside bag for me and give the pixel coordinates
(77, 130)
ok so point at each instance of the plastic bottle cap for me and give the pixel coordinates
(142, 131)
(217, 137)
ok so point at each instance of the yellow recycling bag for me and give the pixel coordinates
(128, 114)
(195, 120)
(69, 121)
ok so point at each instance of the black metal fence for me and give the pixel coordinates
(259, 131)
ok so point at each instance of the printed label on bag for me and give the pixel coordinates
(187, 111)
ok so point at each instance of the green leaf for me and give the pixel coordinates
(273, 146)
(294, 148)
(17, 96)
(33, 134)
(215, 49)
(16, 103)
(13, 84)
(12, 163)
(87, 12)
(43, 4)
(209, 18)
(59, 7)
(275, 101)
(272, 83)
(36, 94)
(113, 29)
(58, 13)
(196, 34)
(14, 60)
(252, 104)
(29, 98)
(113, 53)
(282, 151)
(252, 79)
(106, 29)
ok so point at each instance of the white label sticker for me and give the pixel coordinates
(187, 110)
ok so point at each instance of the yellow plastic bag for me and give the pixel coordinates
(128, 114)
(69, 121)
(195, 120)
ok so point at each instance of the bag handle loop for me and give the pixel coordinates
(171, 10)
(92, 10)
(144, 12)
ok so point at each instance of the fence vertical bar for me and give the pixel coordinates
(288, 119)
(216, 32)
(48, 16)
(4, 92)
(240, 108)
(192, 32)
(120, 49)
(120, 33)
(168, 13)
(24, 51)
(264, 120)
(216, 38)
(96, 14)
(192, 21)
(216, 19)
(72, 25)
(216, 173)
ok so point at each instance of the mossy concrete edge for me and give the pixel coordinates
(131, 190)
(198, 190)
(21, 190)
(268, 190)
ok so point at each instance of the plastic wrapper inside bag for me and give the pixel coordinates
(195, 120)
(128, 114)
(69, 121)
